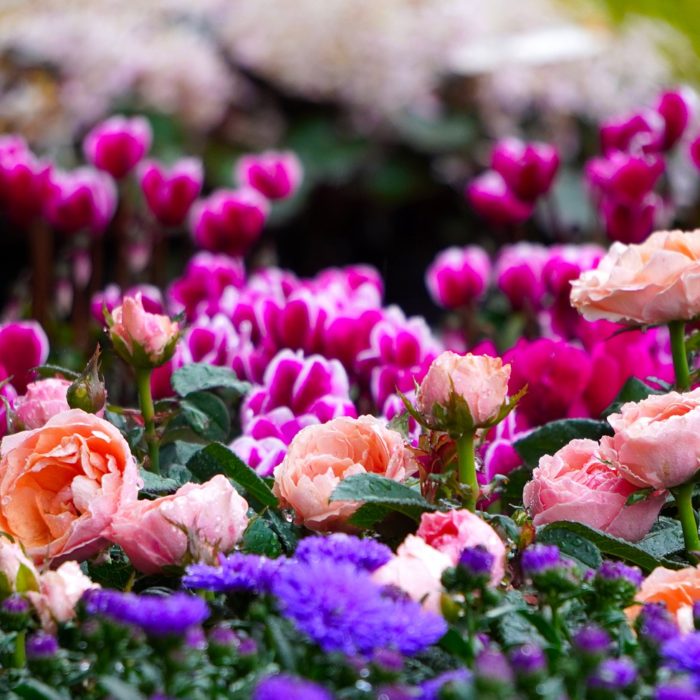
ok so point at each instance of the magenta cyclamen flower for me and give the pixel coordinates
(625, 177)
(640, 131)
(528, 169)
(494, 201)
(458, 276)
(631, 223)
(229, 221)
(675, 109)
(118, 144)
(565, 263)
(275, 174)
(170, 192)
(81, 200)
(111, 297)
(23, 346)
(518, 273)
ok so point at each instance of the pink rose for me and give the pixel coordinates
(61, 484)
(12, 558)
(481, 380)
(455, 530)
(142, 338)
(194, 524)
(321, 456)
(647, 283)
(575, 485)
(42, 400)
(59, 593)
(416, 569)
(656, 441)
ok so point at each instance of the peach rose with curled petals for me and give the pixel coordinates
(656, 441)
(455, 530)
(61, 484)
(42, 400)
(653, 282)
(575, 485)
(321, 456)
(481, 380)
(194, 524)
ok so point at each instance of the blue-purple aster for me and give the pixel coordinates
(41, 645)
(616, 570)
(614, 675)
(289, 688)
(492, 665)
(236, 573)
(156, 615)
(592, 640)
(656, 625)
(675, 691)
(683, 654)
(477, 562)
(430, 690)
(527, 660)
(365, 554)
(539, 558)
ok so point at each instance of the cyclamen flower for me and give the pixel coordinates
(290, 688)
(118, 144)
(276, 175)
(491, 198)
(528, 169)
(519, 274)
(365, 554)
(24, 181)
(236, 573)
(170, 193)
(458, 276)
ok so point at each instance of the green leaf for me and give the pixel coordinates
(632, 390)
(118, 689)
(665, 538)
(613, 546)
(54, 370)
(155, 485)
(572, 545)
(207, 415)
(553, 436)
(259, 538)
(639, 496)
(26, 580)
(200, 377)
(218, 459)
(32, 689)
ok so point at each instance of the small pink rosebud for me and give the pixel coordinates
(674, 108)
(118, 144)
(275, 174)
(642, 131)
(625, 177)
(630, 222)
(518, 273)
(83, 199)
(170, 193)
(458, 276)
(491, 199)
(23, 346)
(229, 221)
(527, 168)
(42, 401)
(142, 339)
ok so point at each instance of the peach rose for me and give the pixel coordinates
(455, 530)
(481, 380)
(321, 456)
(575, 485)
(142, 338)
(59, 593)
(42, 400)
(656, 441)
(677, 589)
(416, 569)
(194, 524)
(61, 484)
(656, 281)
(12, 557)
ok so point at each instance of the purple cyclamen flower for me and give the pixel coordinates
(683, 654)
(365, 554)
(616, 570)
(539, 558)
(289, 688)
(656, 625)
(236, 573)
(41, 645)
(155, 615)
(430, 690)
(614, 675)
(527, 660)
(592, 640)
(477, 561)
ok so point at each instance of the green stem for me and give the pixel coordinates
(686, 514)
(143, 385)
(467, 468)
(20, 656)
(676, 330)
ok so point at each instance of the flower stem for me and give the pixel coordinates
(20, 656)
(143, 385)
(686, 514)
(467, 468)
(676, 330)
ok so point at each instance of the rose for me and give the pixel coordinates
(141, 338)
(416, 569)
(656, 441)
(575, 485)
(481, 380)
(42, 400)
(193, 524)
(61, 484)
(654, 282)
(12, 560)
(321, 456)
(455, 530)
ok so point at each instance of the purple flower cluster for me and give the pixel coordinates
(614, 675)
(432, 689)
(365, 554)
(540, 558)
(41, 645)
(477, 562)
(655, 625)
(236, 573)
(592, 640)
(616, 570)
(289, 688)
(683, 654)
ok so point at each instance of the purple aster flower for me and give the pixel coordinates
(365, 554)
(673, 691)
(539, 558)
(655, 624)
(195, 639)
(683, 654)
(15, 605)
(247, 647)
(616, 570)
(156, 615)
(527, 660)
(289, 688)
(492, 665)
(614, 675)
(223, 637)
(41, 646)
(236, 573)
(341, 609)
(388, 659)
(430, 690)
(592, 640)
(477, 562)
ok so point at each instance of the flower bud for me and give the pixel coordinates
(475, 566)
(276, 175)
(88, 390)
(14, 613)
(591, 642)
(42, 400)
(118, 144)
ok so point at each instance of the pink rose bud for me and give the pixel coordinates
(229, 221)
(111, 297)
(458, 276)
(140, 338)
(479, 380)
(118, 144)
(170, 193)
(641, 131)
(656, 441)
(674, 107)
(625, 177)
(321, 456)
(630, 223)
(42, 401)
(491, 198)
(275, 174)
(196, 523)
(575, 485)
(23, 346)
(83, 199)
(527, 168)
(518, 273)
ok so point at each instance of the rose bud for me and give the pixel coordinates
(88, 390)
(490, 197)
(42, 401)
(170, 193)
(118, 144)
(276, 175)
(527, 168)
(458, 276)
